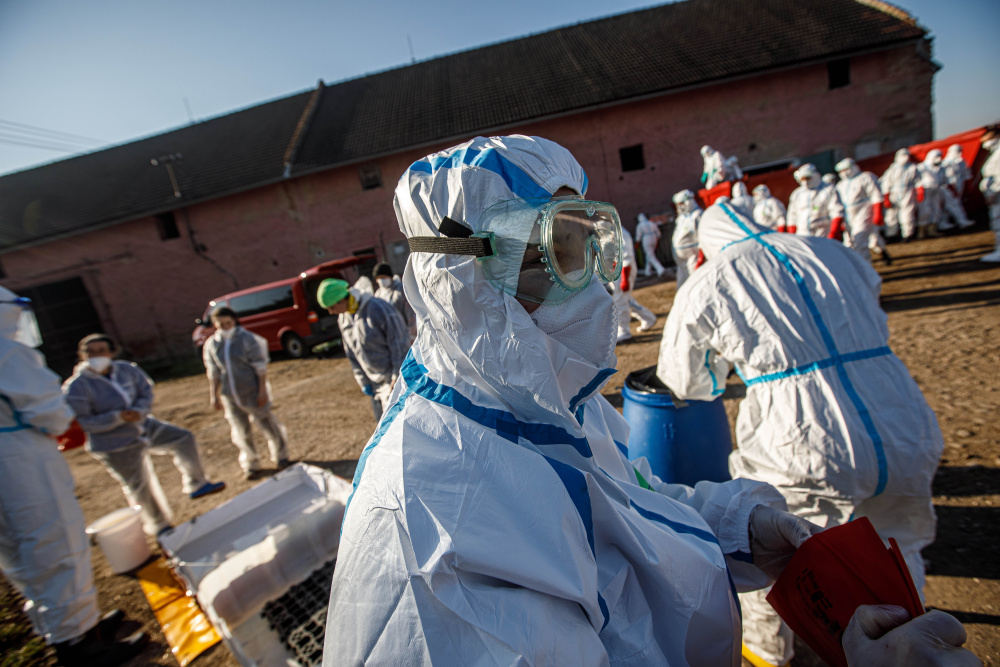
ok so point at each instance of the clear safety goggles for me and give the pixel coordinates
(542, 250)
(28, 332)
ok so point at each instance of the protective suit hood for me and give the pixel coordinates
(717, 228)
(9, 314)
(473, 336)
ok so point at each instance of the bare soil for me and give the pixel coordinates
(944, 318)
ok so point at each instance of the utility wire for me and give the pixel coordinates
(45, 133)
(32, 143)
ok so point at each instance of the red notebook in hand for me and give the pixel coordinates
(831, 575)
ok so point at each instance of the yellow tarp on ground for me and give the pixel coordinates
(188, 632)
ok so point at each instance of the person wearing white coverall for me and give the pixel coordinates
(990, 187)
(930, 206)
(862, 200)
(832, 417)
(495, 518)
(625, 304)
(684, 242)
(814, 209)
(713, 169)
(956, 175)
(113, 402)
(389, 288)
(44, 551)
(768, 211)
(236, 365)
(648, 234)
(741, 198)
(375, 338)
(899, 189)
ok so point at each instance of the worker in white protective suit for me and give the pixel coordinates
(44, 551)
(768, 211)
(684, 242)
(375, 338)
(832, 417)
(626, 306)
(899, 189)
(113, 402)
(236, 364)
(956, 175)
(495, 517)
(713, 169)
(862, 200)
(733, 171)
(741, 198)
(389, 288)
(990, 187)
(814, 208)
(930, 206)
(648, 234)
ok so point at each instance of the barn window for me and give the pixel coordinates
(631, 157)
(166, 224)
(839, 73)
(371, 177)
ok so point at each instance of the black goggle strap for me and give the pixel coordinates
(456, 239)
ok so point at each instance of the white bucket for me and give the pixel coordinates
(121, 538)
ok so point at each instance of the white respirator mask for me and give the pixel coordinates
(227, 333)
(99, 364)
(385, 282)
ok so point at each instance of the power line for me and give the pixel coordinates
(45, 133)
(31, 143)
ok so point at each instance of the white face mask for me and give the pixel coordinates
(385, 282)
(585, 323)
(99, 364)
(227, 333)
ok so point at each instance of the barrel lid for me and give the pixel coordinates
(644, 381)
(113, 519)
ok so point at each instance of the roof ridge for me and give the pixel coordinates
(890, 9)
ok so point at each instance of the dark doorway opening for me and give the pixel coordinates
(65, 315)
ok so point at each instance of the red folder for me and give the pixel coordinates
(831, 575)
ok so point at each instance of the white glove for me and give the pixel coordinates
(774, 537)
(933, 640)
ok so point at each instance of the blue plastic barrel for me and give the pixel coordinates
(684, 441)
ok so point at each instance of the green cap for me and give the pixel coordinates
(331, 291)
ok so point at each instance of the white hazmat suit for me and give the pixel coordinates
(899, 190)
(956, 175)
(814, 209)
(626, 306)
(862, 200)
(43, 548)
(713, 169)
(495, 518)
(932, 182)
(684, 242)
(831, 417)
(768, 211)
(990, 187)
(648, 234)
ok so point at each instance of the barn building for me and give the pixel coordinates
(136, 239)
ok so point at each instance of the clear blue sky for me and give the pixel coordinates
(118, 70)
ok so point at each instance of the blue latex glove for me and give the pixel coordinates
(368, 390)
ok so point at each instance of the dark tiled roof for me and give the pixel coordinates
(600, 62)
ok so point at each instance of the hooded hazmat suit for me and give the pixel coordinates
(375, 341)
(648, 234)
(899, 187)
(862, 200)
(990, 187)
(812, 207)
(831, 417)
(684, 242)
(495, 518)
(713, 169)
(626, 306)
(930, 210)
(768, 211)
(238, 362)
(43, 547)
(956, 175)
(124, 447)
(741, 198)
(392, 294)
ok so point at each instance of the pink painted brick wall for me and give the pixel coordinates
(148, 291)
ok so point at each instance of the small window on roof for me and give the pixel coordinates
(166, 224)
(631, 157)
(371, 177)
(839, 73)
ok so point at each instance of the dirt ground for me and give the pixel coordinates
(944, 318)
